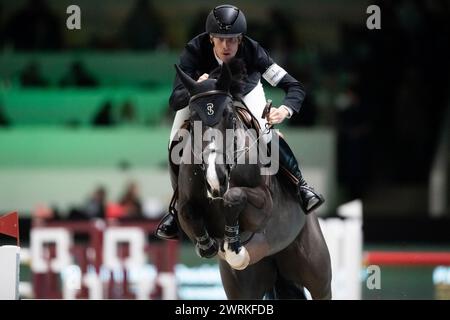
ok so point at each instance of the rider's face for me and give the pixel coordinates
(225, 48)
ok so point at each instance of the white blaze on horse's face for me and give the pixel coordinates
(211, 174)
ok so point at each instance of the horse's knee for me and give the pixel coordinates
(188, 213)
(234, 197)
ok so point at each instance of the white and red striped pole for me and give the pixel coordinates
(10, 258)
(407, 258)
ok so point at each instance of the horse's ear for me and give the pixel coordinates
(224, 81)
(187, 81)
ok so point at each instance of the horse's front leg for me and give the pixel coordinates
(193, 224)
(235, 200)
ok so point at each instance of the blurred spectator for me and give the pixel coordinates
(34, 27)
(104, 116)
(31, 76)
(78, 76)
(131, 202)
(127, 114)
(96, 205)
(44, 212)
(143, 28)
(76, 214)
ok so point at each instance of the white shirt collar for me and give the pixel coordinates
(217, 58)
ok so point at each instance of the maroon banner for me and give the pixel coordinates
(9, 225)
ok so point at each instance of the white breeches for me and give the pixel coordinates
(255, 101)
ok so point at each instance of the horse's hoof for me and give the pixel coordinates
(209, 252)
(238, 261)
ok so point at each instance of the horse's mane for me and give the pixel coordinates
(238, 76)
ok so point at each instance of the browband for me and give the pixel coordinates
(208, 93)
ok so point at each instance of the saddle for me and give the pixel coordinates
(247, 118)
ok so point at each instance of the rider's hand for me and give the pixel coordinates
(277, 115)
(203, 77)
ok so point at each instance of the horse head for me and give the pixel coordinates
(211, 116)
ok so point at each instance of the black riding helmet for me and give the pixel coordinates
(226, 21)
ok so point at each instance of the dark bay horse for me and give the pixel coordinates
(252, 221)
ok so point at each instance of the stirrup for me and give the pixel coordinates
(317, 197)
(167, 230)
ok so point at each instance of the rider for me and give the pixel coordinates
(223, 40)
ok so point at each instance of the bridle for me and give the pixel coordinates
(228, 165)
(209, 93)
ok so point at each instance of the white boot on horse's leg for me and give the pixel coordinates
(238, 261)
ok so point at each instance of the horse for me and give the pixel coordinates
(267, 246)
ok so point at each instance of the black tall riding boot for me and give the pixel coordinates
(168, 227)
(309, 199)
